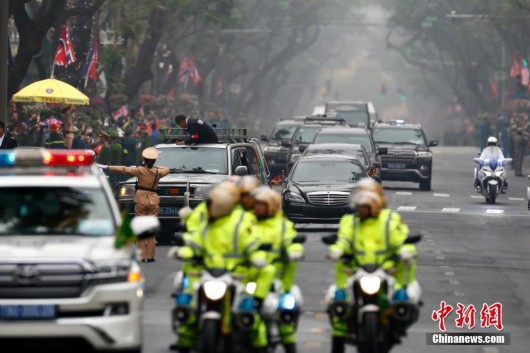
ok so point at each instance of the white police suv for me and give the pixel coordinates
(63, 284)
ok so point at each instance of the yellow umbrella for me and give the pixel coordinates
(51, 91)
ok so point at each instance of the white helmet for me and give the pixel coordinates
(492, 139)
(221, 201)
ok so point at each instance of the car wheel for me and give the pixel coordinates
(425, 185)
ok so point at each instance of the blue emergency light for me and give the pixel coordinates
(287, 301)
(7, 158)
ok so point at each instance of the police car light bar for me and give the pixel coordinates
(35, 157)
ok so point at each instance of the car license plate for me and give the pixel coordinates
(396, 165)
(28, 312)
(168, 211)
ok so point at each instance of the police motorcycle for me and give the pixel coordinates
(490, 178)
(377, 316)
(225, 311)
(281, 308)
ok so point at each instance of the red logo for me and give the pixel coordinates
(440, 315)
(490, 315)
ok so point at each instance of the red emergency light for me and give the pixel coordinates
(65, 158)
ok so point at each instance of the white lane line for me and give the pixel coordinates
(441, 257)
(440, 195)
(450, 210)
(492, 211)
(404, 193)
(490, 350)
(313, 345)
(516, 199)
(460, 294)
(406, 208)
(477, 197)
(449, 273)
(454, 281)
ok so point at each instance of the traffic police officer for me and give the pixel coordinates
(274, 228)
(373, 234)
(199, 131)
(228, 241)
(146, 200)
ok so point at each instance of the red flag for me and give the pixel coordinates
(195, 75)
(184, 71)
(516, 67)
(65, 50)
(90, 69)
(494, 93)
(525, 76)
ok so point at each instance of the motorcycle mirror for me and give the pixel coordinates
(529, 177)
(265, 247)
(300, 239)
(413, 238)
(330, 239)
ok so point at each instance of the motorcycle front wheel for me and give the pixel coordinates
(370, 334)
(210, 337)
(493, 196)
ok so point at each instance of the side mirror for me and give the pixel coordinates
(265, 247)
(433, 143)
(302, 148)
(286, 143)
(413, 239)
(300, 239)
(382, 151)
(264, 138)
(241, 170)
(330, 239)
(145, 226)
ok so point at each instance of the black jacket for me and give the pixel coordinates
(200, 132)
(8, 143)
(55, 141)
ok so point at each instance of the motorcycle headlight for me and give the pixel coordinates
(126, 190)
(499, 173)
(370, 285)
(487, 173)
(424, 154)
(251, 288)
(214, 290)
(293, 197)
(287, 302)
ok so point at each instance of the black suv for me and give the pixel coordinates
(409, 157)
(275, 153)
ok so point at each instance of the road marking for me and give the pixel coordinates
(406, 208)
(450, 210)
(492, 211)
(516, 199)
(313, 345)
(404, 193)
(460, 294)
(454, 281)
(440, 257)
(477, 197)
(490, 350)
(322, 317)
(449, 273)
(318, 330)
(440, 195)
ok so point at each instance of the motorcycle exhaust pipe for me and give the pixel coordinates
(245, 320)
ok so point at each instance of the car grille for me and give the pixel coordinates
(174, 190)
(328, 198)
(53, 280)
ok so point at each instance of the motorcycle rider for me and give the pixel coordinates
(491, 152)
(247, 185)
(227, 241)
(372, 234)
(274, 228)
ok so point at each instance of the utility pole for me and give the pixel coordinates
(4, 13)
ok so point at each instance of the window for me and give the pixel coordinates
(194, 160)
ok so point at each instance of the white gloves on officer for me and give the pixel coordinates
(406, 255)
(184, 212)
(175, 252)
(103, 166)
(259, 263)
(295, 255)
(335, 254)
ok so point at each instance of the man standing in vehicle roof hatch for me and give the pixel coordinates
(200, 131)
